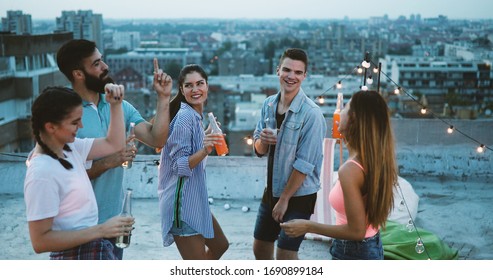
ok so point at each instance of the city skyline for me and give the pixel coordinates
(253, 9)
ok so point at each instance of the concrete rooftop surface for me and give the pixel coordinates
(458, 212)
(453, 185)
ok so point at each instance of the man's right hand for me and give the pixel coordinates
(267, 137)
(124, 155)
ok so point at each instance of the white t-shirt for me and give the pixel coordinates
(50, 190)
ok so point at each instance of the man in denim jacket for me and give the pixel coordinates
(295, 157)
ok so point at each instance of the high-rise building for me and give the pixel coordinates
(17, 22)
(84, 24)
(27, 66)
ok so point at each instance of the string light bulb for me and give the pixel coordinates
(480, 149)
(339, 85)
(410, 226)
(366, 62)
(359, 70)
(401, 206)
(450, 130)
(249, 140)
(364, 88)
(321, 100)
(375, 70)
(369, 80)
(420, 247)
(423, 110)
(397, 90)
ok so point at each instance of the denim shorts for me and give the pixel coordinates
(370, 248)
(267, 229)
(184, 230)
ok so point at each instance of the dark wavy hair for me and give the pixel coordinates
(69, 57)
(53, 105)
(179, 97)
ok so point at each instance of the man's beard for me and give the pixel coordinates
(97, 84)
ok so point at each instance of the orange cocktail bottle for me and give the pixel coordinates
(337, 118)
(222, 148)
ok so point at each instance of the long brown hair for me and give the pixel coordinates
(369, 133)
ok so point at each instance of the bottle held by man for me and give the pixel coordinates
(270, 120)
(131, 143)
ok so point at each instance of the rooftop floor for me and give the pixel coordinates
(459, 212)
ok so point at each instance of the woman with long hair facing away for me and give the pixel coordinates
(363, 195)
(186, 218)
(61, 207)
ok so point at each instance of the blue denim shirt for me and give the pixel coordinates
(299, 143)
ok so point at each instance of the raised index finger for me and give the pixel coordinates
(156, 65)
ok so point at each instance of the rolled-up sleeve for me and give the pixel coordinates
(303, 166)
(180, 143)
(260, 124)
(256, 134)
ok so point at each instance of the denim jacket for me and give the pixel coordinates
(299, 143)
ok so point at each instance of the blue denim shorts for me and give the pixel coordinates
(184, 230)
(267, 229)
(370, 248)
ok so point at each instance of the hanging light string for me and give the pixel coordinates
(154, 161)
(13, 155)
(451, 127)
(367, 62)
(412, 220)
(339, 82)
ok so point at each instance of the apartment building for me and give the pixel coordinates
(440, 75)
(84, 24)
(27, 66)
(18, 23)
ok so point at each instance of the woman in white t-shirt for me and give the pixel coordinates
(61, 207)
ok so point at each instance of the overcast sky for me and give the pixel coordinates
(299, 9)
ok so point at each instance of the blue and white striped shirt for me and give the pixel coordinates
(182, 191)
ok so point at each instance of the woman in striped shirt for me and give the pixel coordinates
(186, 218)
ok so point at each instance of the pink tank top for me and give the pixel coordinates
(336, 200)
